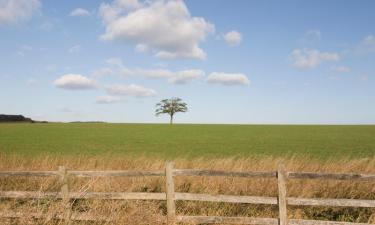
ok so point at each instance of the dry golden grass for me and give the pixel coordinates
(153, 212)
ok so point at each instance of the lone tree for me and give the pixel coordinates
(170, 106)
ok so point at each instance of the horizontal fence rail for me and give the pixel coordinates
(170, 196)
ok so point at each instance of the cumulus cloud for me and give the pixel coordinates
(340, 69)
(164, 28)
(228, 78)
(80, 12)
(108, 99)
(186, 76)
(14, 11)
(75, 82)
(130, 90)
(233, 38)
(310, 58)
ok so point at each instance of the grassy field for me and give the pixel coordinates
(92, 146)
(165, 141)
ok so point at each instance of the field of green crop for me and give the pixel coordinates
(165, 141)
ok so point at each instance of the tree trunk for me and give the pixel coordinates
(171, 121)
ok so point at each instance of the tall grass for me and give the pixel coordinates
(153, 212)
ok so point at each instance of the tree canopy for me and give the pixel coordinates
(171, 107)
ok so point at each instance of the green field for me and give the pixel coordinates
(165, 141)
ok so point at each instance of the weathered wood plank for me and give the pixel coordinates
(74, 216)
(29, 173)
(119, 195)
(225, 220)
(331, 176)
(196, 172)
(251, 220)
(83, 195)
(64, 189)
(191, 197)
(332, 202)
(29, 194)
(186, 219)
(171, 208)
(63, 179)
(321, 222)
(226, 198)
(115, 173)
(282, 201)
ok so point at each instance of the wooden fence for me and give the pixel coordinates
(170, 196)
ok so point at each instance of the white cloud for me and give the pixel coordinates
(80, 12)
(14, 11)
(233, 38)
(154, 73)
(228, 78)
(115, 66)
(75, 82)
(75, 49)
(310, 58)
(164, 28)
(128, 4)
(186, 76)
(108, 99)
(131, 90)
(341, 69)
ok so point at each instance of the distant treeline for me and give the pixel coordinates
(16, 118)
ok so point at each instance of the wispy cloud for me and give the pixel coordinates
(341, 69)
(367, 45)
(115, 66)
(310, 58)
(80, 12)
(108, 99)
(130, 90)
(75, 49)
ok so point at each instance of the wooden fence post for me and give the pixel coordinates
(64, 190)
(281, 200)
(171, 209)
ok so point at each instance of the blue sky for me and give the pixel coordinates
(272, 62)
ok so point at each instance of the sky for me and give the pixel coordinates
(232, 62)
